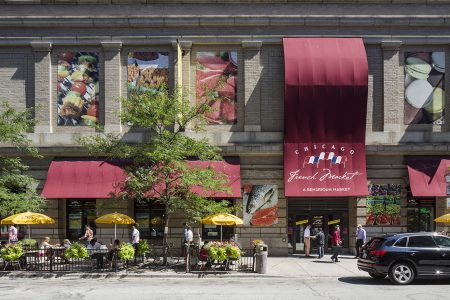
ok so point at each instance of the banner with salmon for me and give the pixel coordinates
(216, 85)
(383, 204)
(260, 205)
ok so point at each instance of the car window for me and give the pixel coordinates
(401, 242)
(375, 243)
(442, 241)
(389, 243)
(421, 241)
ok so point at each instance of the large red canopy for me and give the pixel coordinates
(427, 176)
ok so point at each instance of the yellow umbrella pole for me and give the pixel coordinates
(115, 230)
(220, 233)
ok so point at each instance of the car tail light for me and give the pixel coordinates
(378, 253)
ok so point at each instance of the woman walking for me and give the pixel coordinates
(336, 243)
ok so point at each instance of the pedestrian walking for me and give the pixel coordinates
(135, 237)
(320, 239)
(12, 234)
(307, 240)
(336, 243)
(360, 239)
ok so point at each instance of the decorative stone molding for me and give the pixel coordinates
(41, 46)
(111, 46)
(252, 45)
(391, 45)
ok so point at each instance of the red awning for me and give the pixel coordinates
(98, 179)
(325, 104)
(82, 179)
(232, 171)
(427, 176)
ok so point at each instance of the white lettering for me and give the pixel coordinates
(296, 176)
(323, 146)
(333, 147)
(296, 152)
(306, 149)
(352, 152)
(346, 176)
(342, 149)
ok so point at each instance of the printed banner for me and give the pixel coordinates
(147, 72)
(77, 89)
(325, 105)
(325, 169)
(424, 87)
(383, 204)
(216, 85)
(260, 205)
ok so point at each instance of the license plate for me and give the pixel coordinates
(364, 255)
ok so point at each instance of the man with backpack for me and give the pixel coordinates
(320, 240)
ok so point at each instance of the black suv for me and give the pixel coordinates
(406, 256)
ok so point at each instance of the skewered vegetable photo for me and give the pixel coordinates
(77, 88)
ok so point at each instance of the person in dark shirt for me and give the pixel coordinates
(320, 240)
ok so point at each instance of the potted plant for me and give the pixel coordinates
(12, 252)
(126, 251)
(28, 244)
(76, 251)
(259, 245)
(142, 248)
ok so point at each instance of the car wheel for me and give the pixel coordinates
(401, 273)
(377, 275)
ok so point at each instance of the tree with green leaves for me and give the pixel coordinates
(156, 167)
(17, 189)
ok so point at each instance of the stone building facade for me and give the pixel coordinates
(33, 33)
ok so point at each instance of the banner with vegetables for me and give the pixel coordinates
(424, 87)
(147, 71)
(78, 88)
(260, 205)
(383, 204)
(216, 85)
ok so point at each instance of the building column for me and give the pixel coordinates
(252, 90)
(185, 47)
(42, 87)
(393, 88)
(112, 86)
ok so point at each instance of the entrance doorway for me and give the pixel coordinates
(420, 215)
(324, 213)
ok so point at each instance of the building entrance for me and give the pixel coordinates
(319, 215)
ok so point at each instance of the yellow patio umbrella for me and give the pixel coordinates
(443, 219)
(222, 219)
(28, 218)
(115, 218)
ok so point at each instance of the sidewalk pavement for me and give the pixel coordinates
(294, 266)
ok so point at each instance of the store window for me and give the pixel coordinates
(420, 214)
(150, 219)
(80, 212)
(212, 232)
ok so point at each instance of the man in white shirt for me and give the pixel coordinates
(12, 234)
(135, 237)
(189, 235)
(307, 240)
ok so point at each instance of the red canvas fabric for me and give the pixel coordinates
(82, 179)
(98, 179)
(427, 176)
(326, 81)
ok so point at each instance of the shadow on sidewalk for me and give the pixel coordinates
(370, 281)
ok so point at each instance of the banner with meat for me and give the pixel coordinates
(383, 204)
(77, 88)
(216, 85)
(147, 72)
(260, 205)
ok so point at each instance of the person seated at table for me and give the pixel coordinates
(203, 255)
(93, 245)
(66, 243)
(114, 249)
(45, 246)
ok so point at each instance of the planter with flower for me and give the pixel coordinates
(221, 251)
(126, 251)
(259, 245)
(12, 252)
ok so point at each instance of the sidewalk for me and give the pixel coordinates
(291, 266)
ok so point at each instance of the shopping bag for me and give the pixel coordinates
(336, 249)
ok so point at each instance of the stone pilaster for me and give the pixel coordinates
(112, 77)
(43, 84)
(393, 86)
(252, 90)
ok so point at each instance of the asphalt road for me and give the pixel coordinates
(361, 288)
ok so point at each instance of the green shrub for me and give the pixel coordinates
(126, 251)
(12, 252)
(76, 250)
(28, 243)
(143, 247)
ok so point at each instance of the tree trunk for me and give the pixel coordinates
(166, 232)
